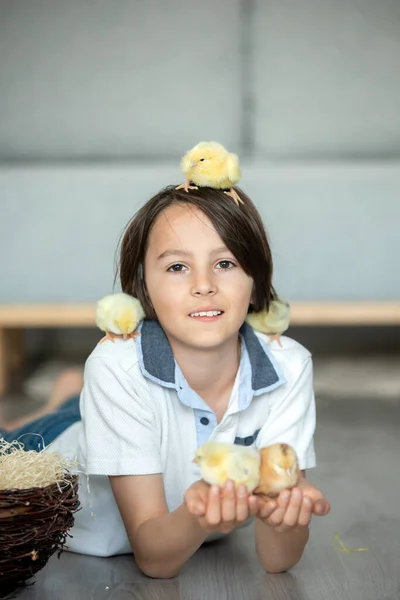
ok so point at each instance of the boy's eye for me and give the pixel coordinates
(176, 268)
(226, 264)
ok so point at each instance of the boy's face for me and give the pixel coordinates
(188, 269)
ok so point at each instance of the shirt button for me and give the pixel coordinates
(204, 421)
(248, 441)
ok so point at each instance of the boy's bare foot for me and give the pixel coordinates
(69, 383)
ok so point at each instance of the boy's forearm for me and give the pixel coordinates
(164, 544)
(279, 551)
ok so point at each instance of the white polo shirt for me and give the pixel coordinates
(139, 416)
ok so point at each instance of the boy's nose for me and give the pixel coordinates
(203, 288)
(204, 292)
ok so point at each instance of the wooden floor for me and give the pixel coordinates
(358, 450)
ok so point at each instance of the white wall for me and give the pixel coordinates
(99, 99)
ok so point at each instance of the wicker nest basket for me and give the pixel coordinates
(34, 524)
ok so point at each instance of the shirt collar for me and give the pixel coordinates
(259, 371)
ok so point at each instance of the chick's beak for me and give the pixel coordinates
(195, 460)
(192, 163)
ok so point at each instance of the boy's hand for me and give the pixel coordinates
(220, 509)
(321, 506)
(293, 508)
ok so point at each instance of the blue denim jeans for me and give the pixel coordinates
(40, 433)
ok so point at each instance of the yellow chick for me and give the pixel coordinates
(118, 315)
(219, 462)
(272, 322)
(209, 164)
(279, 469)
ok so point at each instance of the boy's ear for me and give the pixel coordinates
(253, 295)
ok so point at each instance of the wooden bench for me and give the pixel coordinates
(16, 318)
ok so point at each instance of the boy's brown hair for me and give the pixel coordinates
(240, 227)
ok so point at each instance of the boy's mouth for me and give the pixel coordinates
(206, 315)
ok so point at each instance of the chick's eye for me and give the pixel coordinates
(225, 265)
(177, 268)
(202, 159)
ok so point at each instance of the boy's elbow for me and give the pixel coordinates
(277, 567)
(159, 573)
(282, 554)
(157, 570)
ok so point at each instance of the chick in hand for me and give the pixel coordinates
(209, 164)
(274, 321)
(118, 315)
(219, 462)
(266, 471)
(279, 469)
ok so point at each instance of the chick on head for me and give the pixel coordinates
(119, 315)
(209, 164)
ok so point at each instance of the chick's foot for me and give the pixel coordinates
(236, 198)
(133, 335)
(186, 186)
(276, 337)
(108, 336)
